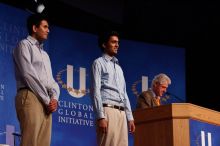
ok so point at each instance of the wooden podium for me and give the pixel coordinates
(168, 125)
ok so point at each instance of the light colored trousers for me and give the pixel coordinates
(35, 124)
(117, 134)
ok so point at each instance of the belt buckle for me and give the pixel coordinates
(109, 105)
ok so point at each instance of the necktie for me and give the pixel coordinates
(157, 99)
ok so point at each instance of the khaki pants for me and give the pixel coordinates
(35, 124)
(117, 134)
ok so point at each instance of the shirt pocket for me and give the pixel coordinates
(37, 59)
(105, 78)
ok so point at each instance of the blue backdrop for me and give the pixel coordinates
(72, 54)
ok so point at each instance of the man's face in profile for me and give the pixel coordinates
(160, 89)
(111, 47)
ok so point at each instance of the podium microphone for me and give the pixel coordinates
(173, 95)
(16, 134)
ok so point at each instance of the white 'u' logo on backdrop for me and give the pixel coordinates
(78, 93)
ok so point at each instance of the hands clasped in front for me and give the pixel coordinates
(52, 107)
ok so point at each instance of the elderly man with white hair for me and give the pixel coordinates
(151, 97)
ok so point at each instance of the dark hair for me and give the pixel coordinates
(104, 37)
(35, 19)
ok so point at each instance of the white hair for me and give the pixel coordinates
(161, 79)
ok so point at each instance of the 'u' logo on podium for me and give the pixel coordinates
(203, 138)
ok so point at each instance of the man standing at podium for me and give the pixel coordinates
(109, 95)
(152, 96)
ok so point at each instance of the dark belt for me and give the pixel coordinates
(114, 106)
(23, 88)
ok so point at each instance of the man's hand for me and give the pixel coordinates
(131, 126)
(103, 125)
(52, 107)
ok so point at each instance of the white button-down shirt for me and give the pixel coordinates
(33, 70)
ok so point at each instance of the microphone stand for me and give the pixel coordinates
(178, 98)
(16, 135)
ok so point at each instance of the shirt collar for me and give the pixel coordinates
(109, 58)
(34, 41)
(154, 95)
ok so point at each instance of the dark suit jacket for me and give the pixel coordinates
(146, 99)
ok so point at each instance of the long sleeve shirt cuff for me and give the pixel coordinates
(129, 116)
(101, 115)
